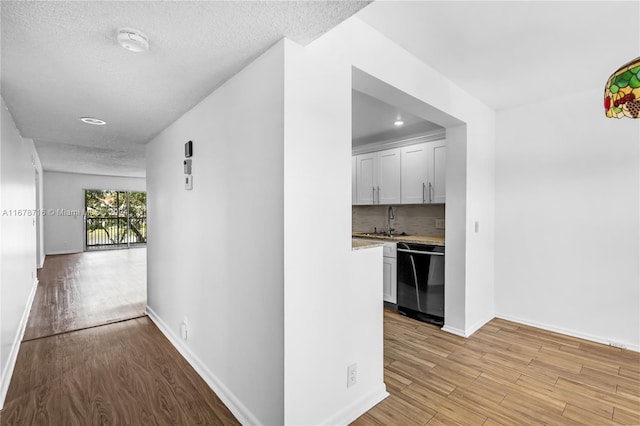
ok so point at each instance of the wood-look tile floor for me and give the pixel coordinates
(82, 290)
(505, 374)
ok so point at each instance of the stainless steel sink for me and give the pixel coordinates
(380, 234)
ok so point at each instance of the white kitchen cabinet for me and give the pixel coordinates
(414, 176)
(354, 179)
(366, 178)
(390, 271)
(438, 171)
(389, 176)
(378, 177)
(423, 173)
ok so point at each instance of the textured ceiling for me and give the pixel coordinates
(372, 121)
(60, 61)
(508, 53)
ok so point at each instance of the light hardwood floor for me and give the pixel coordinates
(505, 374)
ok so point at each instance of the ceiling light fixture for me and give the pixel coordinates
(94, 121)
(398, 123)
(133, 40)
(622, 92)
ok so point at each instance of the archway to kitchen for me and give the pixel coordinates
(428, 124)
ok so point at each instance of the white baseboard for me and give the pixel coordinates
(7, 372)
(358, 407)
(55, 252)
(239, 410)
(469, 331)
(565, 331)
(478, 325)
(454, 330)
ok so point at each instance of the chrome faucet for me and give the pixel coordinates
(390, 216)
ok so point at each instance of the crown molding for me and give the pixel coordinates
(399, 142)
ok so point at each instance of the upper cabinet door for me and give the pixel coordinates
(438, 172)
(366, 185)
(388, 187)
(414, 174)
(354, 179)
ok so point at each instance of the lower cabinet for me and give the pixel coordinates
(390, 265)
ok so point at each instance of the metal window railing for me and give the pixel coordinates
(116, 231)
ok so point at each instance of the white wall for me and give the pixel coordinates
(65, 191)
(215, 253)
(18, 161)
(264, 236)
(567, 219)
(470, 172)
(332, 297)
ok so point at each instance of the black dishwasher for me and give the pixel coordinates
(421, 282)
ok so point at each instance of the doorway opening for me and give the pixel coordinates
(453, 176)
(39, 257)
(115, 219)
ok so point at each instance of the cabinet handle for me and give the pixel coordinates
(373, 195)
(423, 188)
(378, 195)
(430, 198)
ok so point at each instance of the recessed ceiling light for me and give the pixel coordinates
(94, 121)
(398, 123)
(133, 40)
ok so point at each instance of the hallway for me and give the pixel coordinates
(91, 357)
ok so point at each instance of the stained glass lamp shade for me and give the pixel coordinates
(622, 92)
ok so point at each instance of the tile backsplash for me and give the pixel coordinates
(418, 219)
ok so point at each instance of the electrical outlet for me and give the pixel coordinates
(352, 375)
(184, 329)
(439, 223)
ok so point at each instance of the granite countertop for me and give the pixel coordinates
(362, 244)
(420, 239)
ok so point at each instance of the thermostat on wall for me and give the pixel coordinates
(188, 182)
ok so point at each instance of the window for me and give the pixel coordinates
(115, 219)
